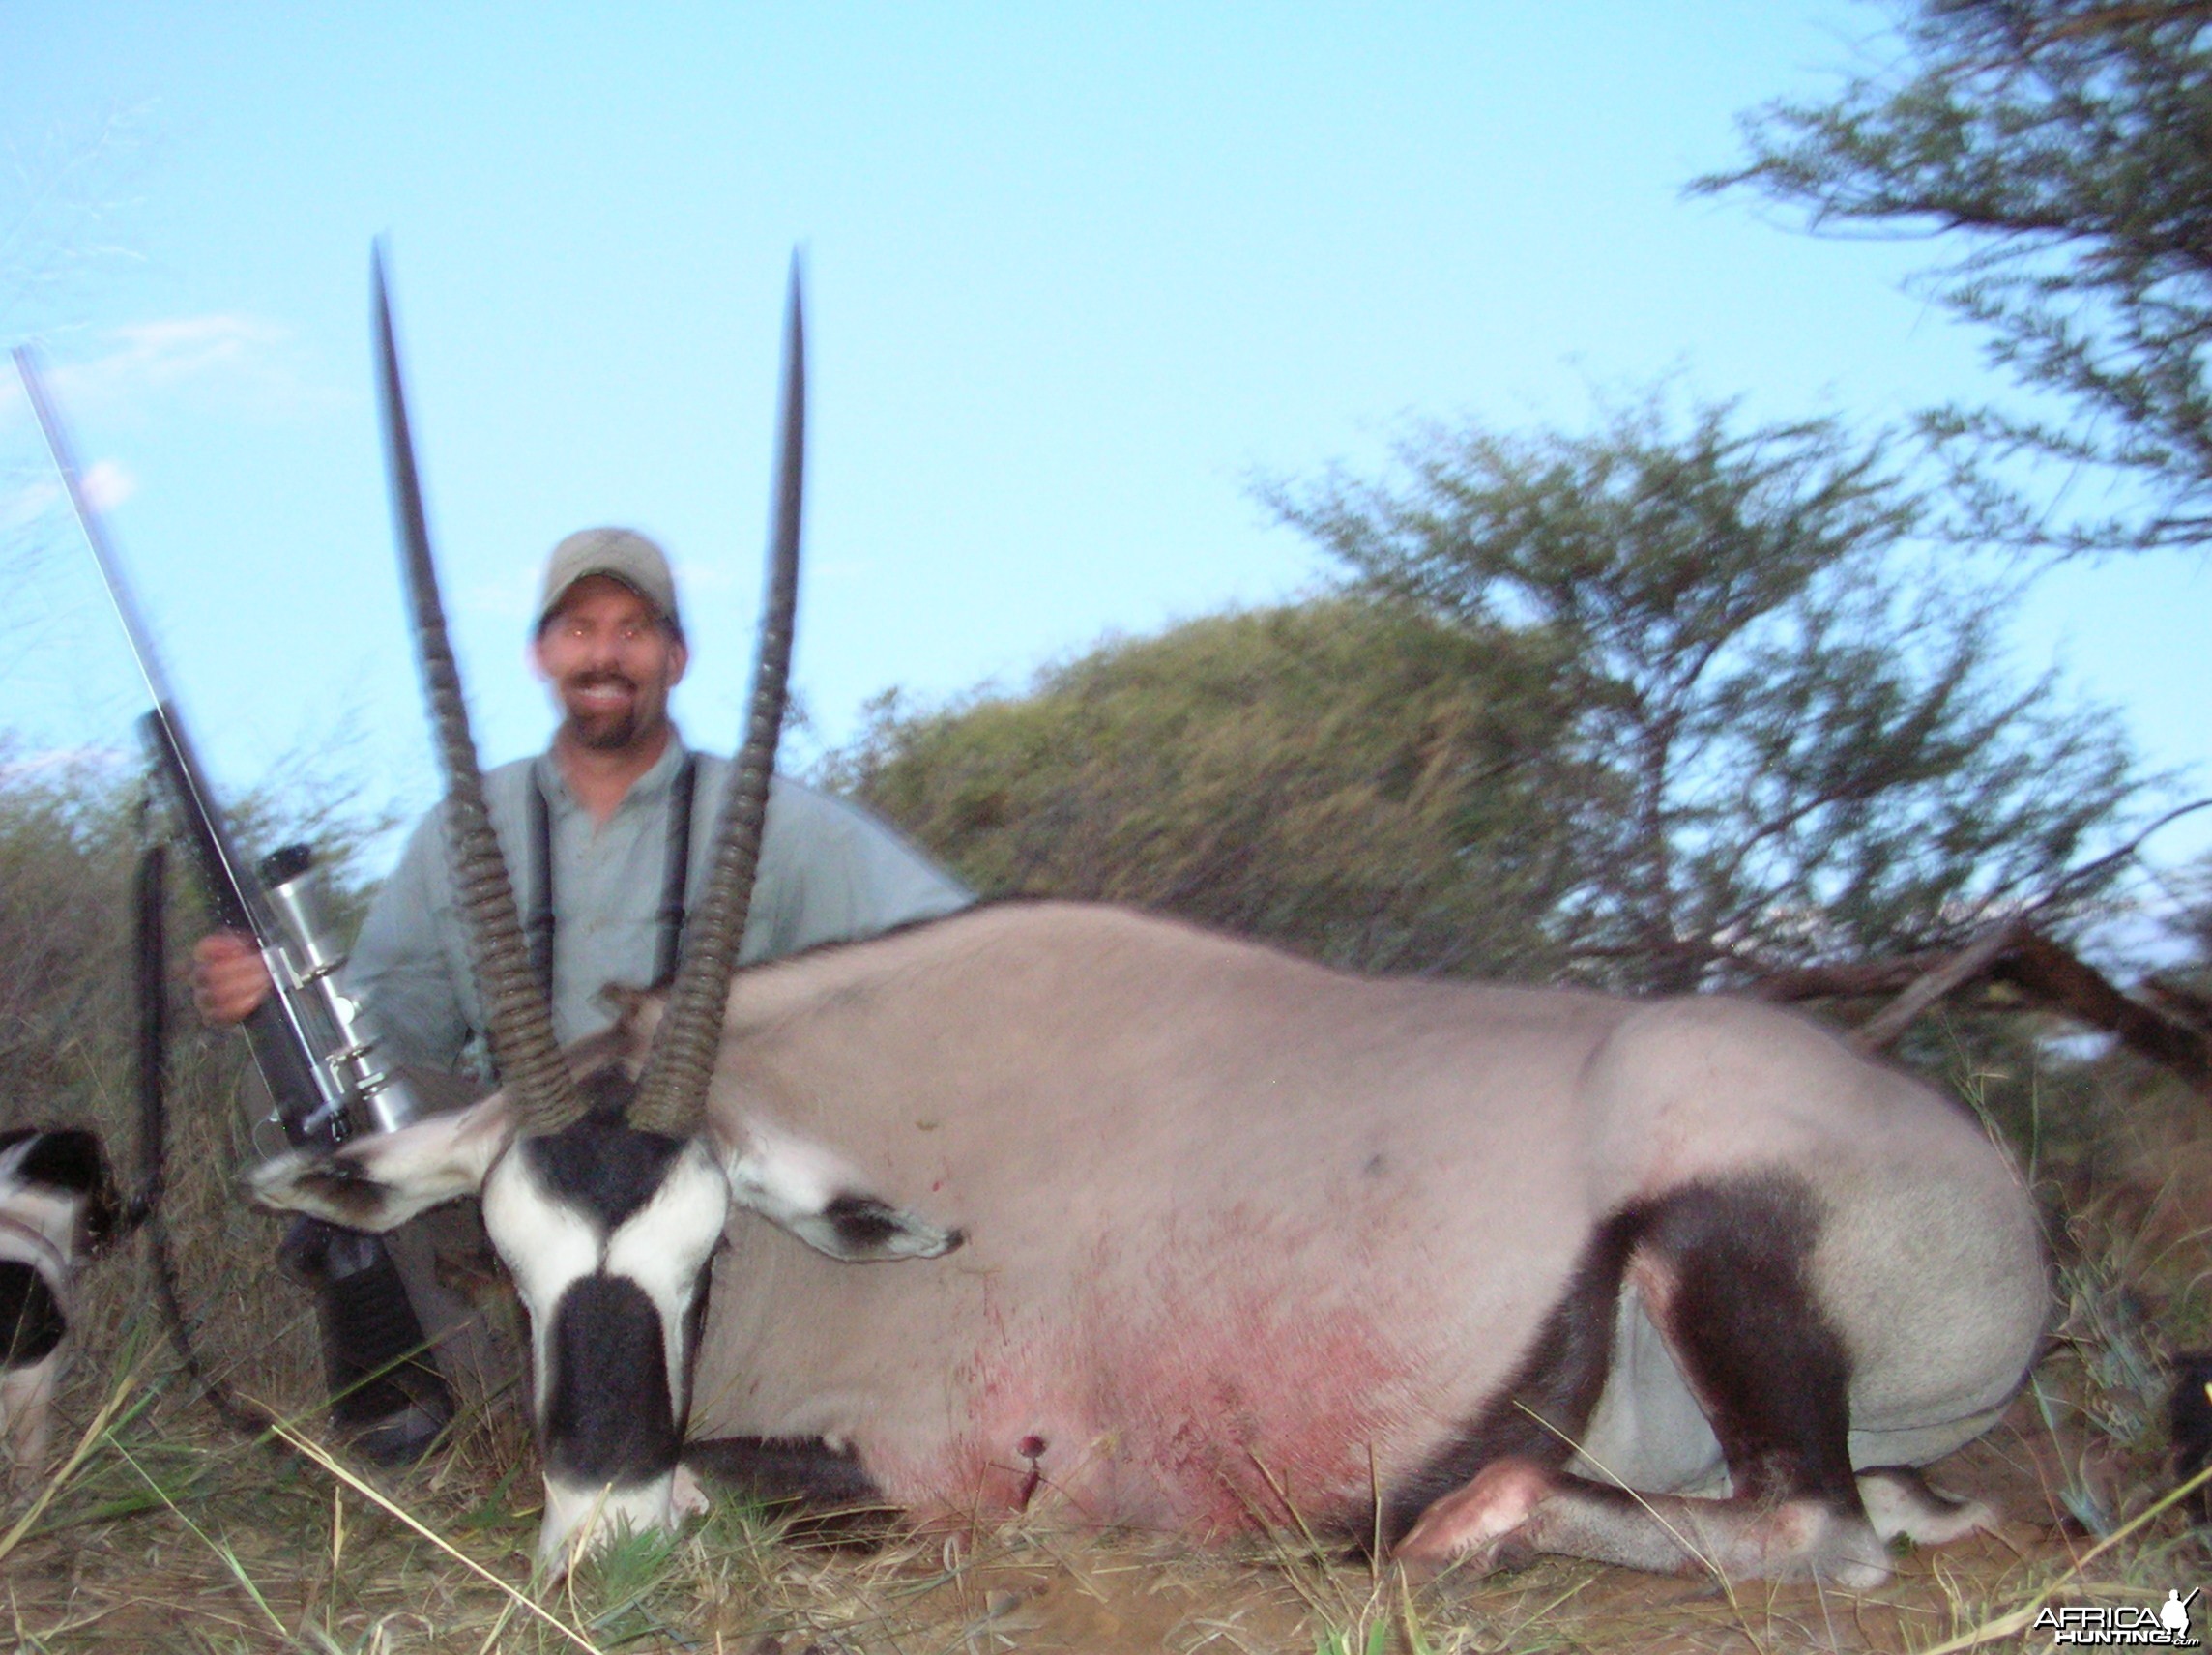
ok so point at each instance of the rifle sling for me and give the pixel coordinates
(675, 887)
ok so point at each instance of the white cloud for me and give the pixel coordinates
(107, 484)
(188, 347)
(230, 356)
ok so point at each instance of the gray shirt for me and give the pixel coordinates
(828, 872)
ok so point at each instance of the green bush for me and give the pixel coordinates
(1346, 778)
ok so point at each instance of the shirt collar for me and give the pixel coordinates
(648, 787)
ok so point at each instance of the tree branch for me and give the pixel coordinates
(1878, 1031)
(2065, 983)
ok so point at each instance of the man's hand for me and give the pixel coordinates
(229, 979)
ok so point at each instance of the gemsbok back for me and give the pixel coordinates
(1197, 1236)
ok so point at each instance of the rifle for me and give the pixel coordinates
(308, 1040)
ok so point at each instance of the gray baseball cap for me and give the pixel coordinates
(619, 554)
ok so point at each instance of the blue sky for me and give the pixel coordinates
(1077, 275)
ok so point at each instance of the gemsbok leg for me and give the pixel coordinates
(1724, 1274)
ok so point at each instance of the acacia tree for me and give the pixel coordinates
(2066, 145)
(1807, 748)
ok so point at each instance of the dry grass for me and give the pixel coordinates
(164, 1532)
(169, 1536)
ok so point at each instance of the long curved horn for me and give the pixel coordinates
(672, 1092)
(530, 1063)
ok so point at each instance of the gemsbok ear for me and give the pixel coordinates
(637, 1019)
(381, 1181)
(808, 1190)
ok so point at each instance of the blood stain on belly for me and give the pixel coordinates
(1206, 1402)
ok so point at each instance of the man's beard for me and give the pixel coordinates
(609, 731)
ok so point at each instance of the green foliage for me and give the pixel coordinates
(1801, 742)
(2067, 144)
(1346, 1641)
(70, 835)
(65, 845)
(1347, 777)
(622, 1591)
(1662, 705)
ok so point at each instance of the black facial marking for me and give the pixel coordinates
(862, 1223)
(866, 1227)
(1772, 1375)
(601, 1165)
(69, 1159)
(31, 1319)
(608, 1417)
(345, 1192)
(66, 1159)
(608, 1092)
(779, 1469)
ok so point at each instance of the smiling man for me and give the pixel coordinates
(607, 836)
(608, 833)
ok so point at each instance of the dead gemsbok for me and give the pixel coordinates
(1198, 1235)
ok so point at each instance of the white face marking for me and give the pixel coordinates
(48, 1212)
(664, 1247)
(782, 1177)
(791, 1180)
(49, 1225)
(431, 1161)
(580, 1517)
(545, 1245)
